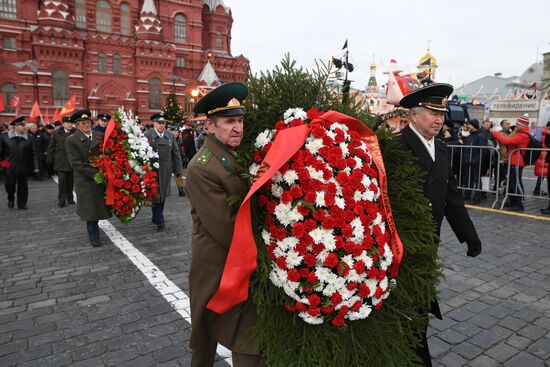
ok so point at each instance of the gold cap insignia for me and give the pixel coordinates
(84, 116)
(444, 101)
(233, 102)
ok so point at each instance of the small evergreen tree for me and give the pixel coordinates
(173, 113)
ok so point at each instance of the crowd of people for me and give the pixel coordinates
(481, 150)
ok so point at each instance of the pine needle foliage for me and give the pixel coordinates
(388, 336)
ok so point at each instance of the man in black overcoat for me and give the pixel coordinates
(57, 156)
(19, 150)
(427, 107)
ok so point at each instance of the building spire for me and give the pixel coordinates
(149, 7)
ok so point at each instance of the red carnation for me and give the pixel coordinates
(286, 198)
(136, 188)
(310, 260)
(299, 230)
(300, 307)
(118, 183)
(134, 179)
(293, 275)
(338, 321)
(331, 261)
(281, 262)
(364, 290)
(312, 278)
(336, 298)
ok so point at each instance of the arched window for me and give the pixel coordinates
(9, 91)
(80, 13)
(155, 94)
(125, 19)
(60, 87)
(116, 64)
(103, 16)
(180, 29)
(8, 9)
(101, 63)
(219, 40)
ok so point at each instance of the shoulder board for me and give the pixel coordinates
(204, 156)
(225, 162)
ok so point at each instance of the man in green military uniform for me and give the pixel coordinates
(211, 181)
(81, 146)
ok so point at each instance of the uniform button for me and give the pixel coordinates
(430, 205)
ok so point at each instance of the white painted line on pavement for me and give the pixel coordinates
(170, 291)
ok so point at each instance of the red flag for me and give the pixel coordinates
(56, 115)
(35, 112)
(47, 119)
(69, 106)
(2, 106)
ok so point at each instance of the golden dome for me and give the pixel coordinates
(428, 60)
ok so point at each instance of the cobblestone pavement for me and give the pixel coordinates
(64, 303)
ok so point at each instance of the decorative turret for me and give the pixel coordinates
(149, 25)
(372, 90)
(209, 76)
(213, 4)
(217, 22)
(55, 13)
(428, 64)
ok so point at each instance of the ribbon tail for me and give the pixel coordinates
(110, 194)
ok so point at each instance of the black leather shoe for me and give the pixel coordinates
(71, 202)
(545, 211)
(160, 226)
(11, 204)
(22, 207)
(95, 243)
(61, 205)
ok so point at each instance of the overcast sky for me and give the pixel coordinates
(470, 40)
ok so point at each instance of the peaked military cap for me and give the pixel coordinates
(50, 127)
(159, 118)
(18, 121)
(104, 116)
(81, 115)
(433, 96)
(225, 100)
(66, 119)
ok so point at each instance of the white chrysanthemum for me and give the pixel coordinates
(358, 229)
(293, 259)
(253, 169)
(320, 199)
(323, 274)
(313, 145)
(286, 215)
(288, 243)
(317, 320)
(371, 283)
(277, 190)
(315, 174)
(263, 138)
(345, 150)
(275, 279)
(277, 177)
(266, 236)
(294, 113)
(290, 177)
(329, 240)
(331, 134)
(340, 202)
(363, 313)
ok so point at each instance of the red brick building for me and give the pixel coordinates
(112, 53)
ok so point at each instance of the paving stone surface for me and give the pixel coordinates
(64, 303)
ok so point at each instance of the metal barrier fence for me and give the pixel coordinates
(517, 187)
(477, 170)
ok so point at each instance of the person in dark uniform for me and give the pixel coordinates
(188, 136)
(211, 180)
(39, 141)
(427, 107)
(169, 160)
(81, 146)
(49, 131)
(57, 156)
(18, 149)
(102, 121)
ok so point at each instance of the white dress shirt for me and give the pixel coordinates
(429, 144)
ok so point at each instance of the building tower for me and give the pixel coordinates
(372, 90)
(428, 65)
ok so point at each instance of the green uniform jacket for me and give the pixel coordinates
(57, 154)
(209, 183)
(90, 195)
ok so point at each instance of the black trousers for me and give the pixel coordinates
(17, 183)
(93, 230)
(423, 351)
(157, 211)
(65, 187)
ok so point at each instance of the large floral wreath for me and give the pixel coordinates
(326, 230)
(126, 167)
